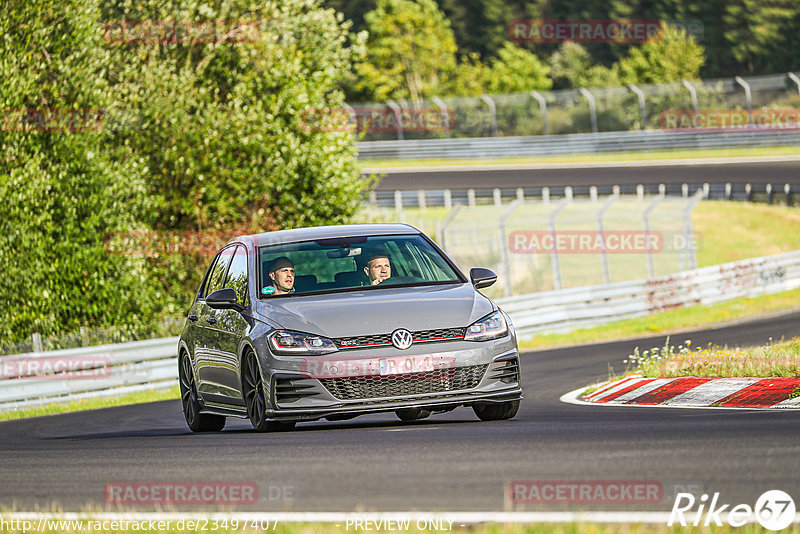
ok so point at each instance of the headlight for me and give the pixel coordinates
(289, 342)
(490, 327)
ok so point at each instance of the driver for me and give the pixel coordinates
(378, 269)
(281, 272)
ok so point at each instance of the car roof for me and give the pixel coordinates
(280, 237)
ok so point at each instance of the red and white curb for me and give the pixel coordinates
(693, 392)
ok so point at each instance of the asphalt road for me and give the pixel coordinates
(763, 172)
(448, 462)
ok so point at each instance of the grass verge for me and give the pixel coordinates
(377, 165)
(692, 317)
(780, 359)
(172, 393)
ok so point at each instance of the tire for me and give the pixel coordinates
(254, 398)
(412, 414)
(496, 411)
(190, 401)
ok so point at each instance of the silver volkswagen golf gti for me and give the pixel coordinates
(340, 321)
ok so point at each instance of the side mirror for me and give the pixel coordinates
(223, 299)
(481, 277)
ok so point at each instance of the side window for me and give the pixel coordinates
(218, 272)
(237, 276)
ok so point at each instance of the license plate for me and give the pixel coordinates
(410, 364)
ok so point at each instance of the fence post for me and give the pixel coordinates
(646, 223)
(693, 94)
(688, 235)
(602, 232)
(592, 107)
(554, 254)
(640, 96)
(792, 76)
(748, 97)
(543, 108)
(398, 116)
(504, 253)
(492, 112)
(445, 223)
(445, 117)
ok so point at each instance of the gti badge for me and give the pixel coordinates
(402, 338)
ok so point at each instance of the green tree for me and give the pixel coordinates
(753, 33)
(573, 67)
(411, 51)
(669, 56)
(516, 70)
(63, 192)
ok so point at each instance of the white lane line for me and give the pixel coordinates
(711, 392)
(638, 392)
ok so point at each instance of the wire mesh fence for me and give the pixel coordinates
(681, 105)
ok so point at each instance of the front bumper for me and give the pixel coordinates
(479, 373)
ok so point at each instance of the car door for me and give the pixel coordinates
(232, 327)
(209, 355)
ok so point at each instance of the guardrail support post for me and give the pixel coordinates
(592, 107)
(398, 116)
(497, 197)
(471, 198)
(602, 232)
(640, 191)
(448, 199)
(492, 112)
(36, 338)
(748, 189)
(748, 97)
(546, 194)
(615, 190)
(770, 194)
(543, 109)
(593, 193)
(728, 191)
(788, 190)
(398, 200)
(373, 198)
(445, 116)
(693, 93)
(421, 199)
(520, 194)
(646, 223)
(568, 193)
(662, 189)
(640, 96)
(685, 190)
(504, 252)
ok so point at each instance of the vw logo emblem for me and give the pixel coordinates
(402, 338)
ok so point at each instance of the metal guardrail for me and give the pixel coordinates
(37, 379)
(570, 144)
(567, 309)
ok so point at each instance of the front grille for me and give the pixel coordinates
(440, 380)
(377, 340)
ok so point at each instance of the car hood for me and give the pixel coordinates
(378, 311)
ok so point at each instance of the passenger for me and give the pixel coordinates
(378, 269)
(281, 273)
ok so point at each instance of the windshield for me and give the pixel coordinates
(354, 262)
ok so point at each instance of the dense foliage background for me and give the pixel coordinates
(125, 162)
